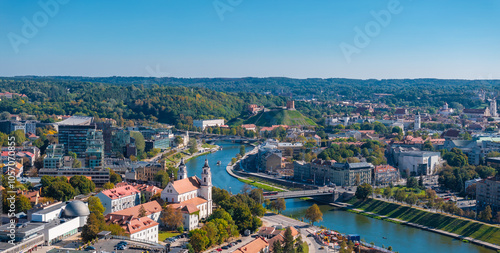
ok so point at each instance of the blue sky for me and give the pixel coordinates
(301, 39)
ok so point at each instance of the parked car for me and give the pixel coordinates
(88, 248)
(224, 247)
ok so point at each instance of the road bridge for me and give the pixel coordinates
(308, 193)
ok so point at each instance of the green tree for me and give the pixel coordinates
(95, 205)
(82, 183)
(193, 146)
(363, 191)
(198, 239)
(92, 227)
(485, 214)
(212, 232)
(289, 247)
(242, 150)
(23, 204)
(400, 195)
(19, 137)
(314, 214)
(114, 177)
(411, 199)
(140, 143)
(108, 186)
(278, 205)
(387, 192)
(76, 163)
(142, 212)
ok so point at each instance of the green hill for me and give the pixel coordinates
(280, 117)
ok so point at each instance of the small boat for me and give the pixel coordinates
(384, 237)
(218, 162)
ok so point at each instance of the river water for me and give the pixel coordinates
(401, 238)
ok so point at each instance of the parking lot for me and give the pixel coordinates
(133, 247)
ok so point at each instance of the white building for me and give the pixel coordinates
(419, 162)
(47, 226)
(119, 198)
(493, 107)
(208, 123)
(143, 228)
(417, 124)
(192, 195)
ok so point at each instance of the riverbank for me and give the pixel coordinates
(462, 229)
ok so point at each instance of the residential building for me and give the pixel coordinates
(119, 198)
(54, 158)
(119, 140)
(153, 211)
(488, 193)
(143, 228)
(385, 174)
(249, 127)
(27, 126)
(330, 172)
(99, 176)
(258, 245)
(191, 195)
(301, 171)
(143, 171)
(471, 182)
(202, 124)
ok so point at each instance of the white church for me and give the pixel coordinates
(192, 195)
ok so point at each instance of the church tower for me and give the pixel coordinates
(493, 107)
(206, 185)
(417, 122)
(182, 170)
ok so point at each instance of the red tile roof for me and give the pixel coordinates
(254, 246)
(186, 185)
(120, 192)
(150, 207)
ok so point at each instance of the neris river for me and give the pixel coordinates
(401, 238)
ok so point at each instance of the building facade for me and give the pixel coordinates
(208, 123)
(488, 193)
(119, 198)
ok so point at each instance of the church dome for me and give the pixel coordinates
(76, 208)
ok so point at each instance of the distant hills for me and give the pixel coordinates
(280, 117)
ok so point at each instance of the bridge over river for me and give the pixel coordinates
(335, 194)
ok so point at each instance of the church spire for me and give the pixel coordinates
(206, 174)
(182, 170)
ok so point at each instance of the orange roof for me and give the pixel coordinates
(120, 192)
(254, 246)
(384, 168)
(150, 207)
(130, 224)
(189, 206)
(186, 185)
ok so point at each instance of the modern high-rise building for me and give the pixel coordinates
(94, 154)
(54, 158)
(107, 132)
(73, 134)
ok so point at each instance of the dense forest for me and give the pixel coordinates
(178, 101)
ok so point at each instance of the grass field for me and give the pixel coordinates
(280, 117)
(162, 235)
(206, 145)
(443, 222)
(259, 185)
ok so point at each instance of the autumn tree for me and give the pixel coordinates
(485, 214)
(314, 214)
(172, 218)
(108, 186)
(278, 205)
(142, 211)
